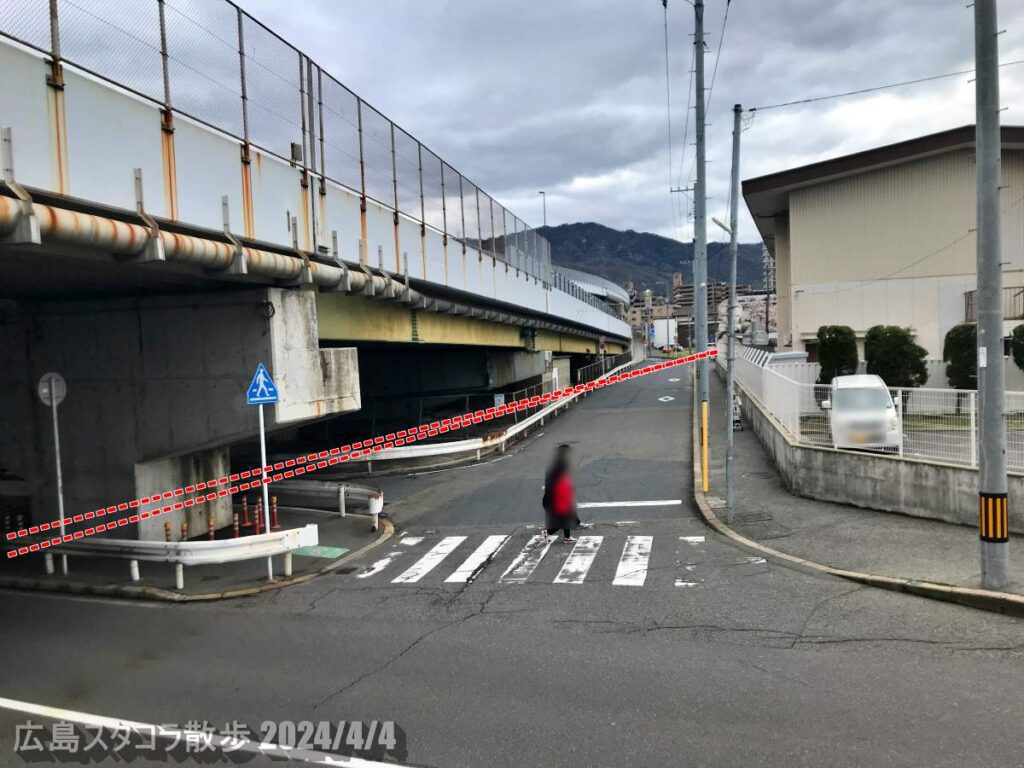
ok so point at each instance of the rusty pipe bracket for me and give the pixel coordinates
(26, 228)
(406, 290)
(305, 277)
(154, 248)
(55, 77)
(368, 289)
(239, 263)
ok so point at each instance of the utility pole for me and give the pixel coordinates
(993, 525)
(544, 200)
(734, 215)
(700, 231)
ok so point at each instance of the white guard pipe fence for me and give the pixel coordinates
(939, 425)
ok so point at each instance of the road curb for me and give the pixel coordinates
(166, 595)
(981, 599)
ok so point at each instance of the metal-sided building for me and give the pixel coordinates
(886, 236)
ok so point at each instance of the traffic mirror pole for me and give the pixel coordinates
(51, 390)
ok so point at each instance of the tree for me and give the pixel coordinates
(1017, 346)
(837, 352)
(891, 353)
(960, 353)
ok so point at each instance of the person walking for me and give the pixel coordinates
(559, 498)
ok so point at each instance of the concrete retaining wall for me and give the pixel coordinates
(888, 483)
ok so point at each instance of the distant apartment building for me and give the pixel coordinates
(886, 236)
(682, 295)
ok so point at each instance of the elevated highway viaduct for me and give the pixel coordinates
(154, 248)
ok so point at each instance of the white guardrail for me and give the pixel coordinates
(183, 553)
(478, 444)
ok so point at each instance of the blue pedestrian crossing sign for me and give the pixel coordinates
(262, 390)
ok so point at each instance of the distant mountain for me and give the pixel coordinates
(643, 257)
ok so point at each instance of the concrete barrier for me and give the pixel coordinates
(911, 487)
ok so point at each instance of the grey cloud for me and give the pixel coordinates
(524, 96)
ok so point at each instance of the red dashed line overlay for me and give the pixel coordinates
(254, 478)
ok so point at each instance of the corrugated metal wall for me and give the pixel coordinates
(894, 245)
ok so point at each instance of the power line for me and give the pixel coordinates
(876, 88)
(668, 110)
(714, 74)
(718, 56)
(682, 159)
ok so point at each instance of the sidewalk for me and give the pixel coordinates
(836, 535)
(339, 538)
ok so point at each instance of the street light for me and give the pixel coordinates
(544, 198)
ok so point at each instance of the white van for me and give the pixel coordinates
(862, 414)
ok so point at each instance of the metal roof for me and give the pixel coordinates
(768, 196)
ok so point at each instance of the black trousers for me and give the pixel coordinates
(563, 527)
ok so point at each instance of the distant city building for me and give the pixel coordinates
(886, 236)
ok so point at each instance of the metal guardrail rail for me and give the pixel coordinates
(191, 553)
(478, 445)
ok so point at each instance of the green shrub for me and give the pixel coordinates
(1017, 346)
(960, 353)
(890, 352)
(837, 352)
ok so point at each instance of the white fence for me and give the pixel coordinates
(807, 373)
(931, 424)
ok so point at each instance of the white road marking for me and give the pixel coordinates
(681, 583)
(655, 503)
(481, 555)
(429, 561)
(526, 561)
(225, 744)
(666, 399)
(692, 540)
(756, 560)
(412, 541)
(673, 380)
(632, 570)
(380, 565)
(575, 568)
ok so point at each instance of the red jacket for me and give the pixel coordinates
(563, 496)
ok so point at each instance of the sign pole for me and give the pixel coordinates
(266, 489)
(60, 476)
(261, 392)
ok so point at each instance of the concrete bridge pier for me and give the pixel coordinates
(156, 394)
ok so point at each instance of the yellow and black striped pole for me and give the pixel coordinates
(993, 517)
(992, 484)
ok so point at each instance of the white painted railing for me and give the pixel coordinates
(183, 553)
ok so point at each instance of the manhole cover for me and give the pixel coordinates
(759, 475)
(752, 517)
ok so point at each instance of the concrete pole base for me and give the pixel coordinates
(995, 564)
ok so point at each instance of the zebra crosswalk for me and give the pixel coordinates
(624, 561)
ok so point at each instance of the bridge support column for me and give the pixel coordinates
(156, 395)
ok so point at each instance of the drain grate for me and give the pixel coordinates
(752, 517)
(759, 475)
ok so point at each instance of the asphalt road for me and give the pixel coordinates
(714, 660)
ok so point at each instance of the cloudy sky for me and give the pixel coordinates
(569, 95)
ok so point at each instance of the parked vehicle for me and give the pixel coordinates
(862, 414)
